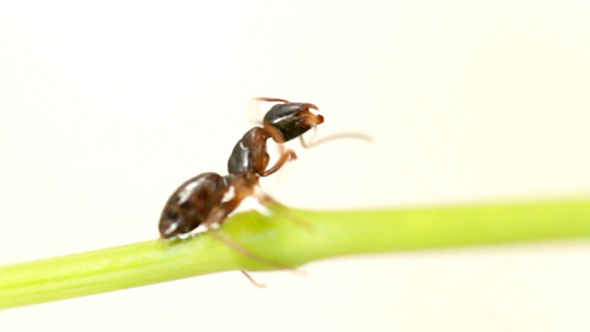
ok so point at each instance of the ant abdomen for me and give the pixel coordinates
(190, 205)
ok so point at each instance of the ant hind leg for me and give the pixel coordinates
(279, 208)
(256, 283)
(248, 254)
(215, 218)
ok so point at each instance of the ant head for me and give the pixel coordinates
(291, 120)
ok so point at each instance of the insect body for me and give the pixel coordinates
(209, 198)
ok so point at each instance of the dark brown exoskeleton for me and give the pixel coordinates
(209, 198)
(190, 205)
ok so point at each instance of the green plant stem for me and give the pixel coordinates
(281, 238)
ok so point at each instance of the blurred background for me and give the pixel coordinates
(105, 108)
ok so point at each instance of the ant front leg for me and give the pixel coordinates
(286, 156)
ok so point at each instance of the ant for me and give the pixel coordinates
(207, 199)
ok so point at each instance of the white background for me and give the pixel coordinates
(106, 107)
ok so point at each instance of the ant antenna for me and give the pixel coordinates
(313, 143)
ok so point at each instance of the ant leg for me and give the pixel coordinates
(217, 216)
(247, 253)
(257, 284)
(286, 156)
(312, 144)
(279, 208)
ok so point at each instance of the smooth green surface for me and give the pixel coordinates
(283, 240)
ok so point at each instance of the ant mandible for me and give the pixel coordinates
(207, 199)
